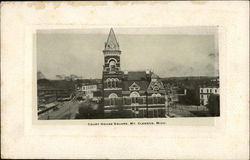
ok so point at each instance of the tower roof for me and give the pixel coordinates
(112, 44)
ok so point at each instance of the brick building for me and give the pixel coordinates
(129, 94)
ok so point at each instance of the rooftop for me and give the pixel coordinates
(142, 84)
(136, 75)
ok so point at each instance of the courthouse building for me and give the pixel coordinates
(138, 94)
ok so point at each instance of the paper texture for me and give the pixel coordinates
(224, 137)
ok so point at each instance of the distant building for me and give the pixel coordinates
(140, 94)
(52, 91)
(205, 93)
(215, 80)
(88, 90)
(174, 93)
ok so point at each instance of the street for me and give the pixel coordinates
(188, 111)
(66, 110)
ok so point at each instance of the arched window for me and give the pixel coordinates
(109, 83)
(113, 83)
(112, 65)
(112, 98)
(156, 98)
(134, 96)
(116, 80)
(156, 87)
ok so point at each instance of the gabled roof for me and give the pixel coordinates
(142, 84)
(111, 44)
(134, 86)
(157, 84)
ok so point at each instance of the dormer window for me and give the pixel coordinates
(156, 87)
(134, 87)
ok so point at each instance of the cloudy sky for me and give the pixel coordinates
(169, 52)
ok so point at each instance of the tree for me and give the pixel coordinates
(40, 75)
(89, 110)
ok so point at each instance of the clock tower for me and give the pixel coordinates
(112, 74)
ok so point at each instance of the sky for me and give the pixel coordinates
(166, 52)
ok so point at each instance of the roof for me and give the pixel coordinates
(55, 84)
(138, 75)
(209, 86)
(112, 44)
(141, 83)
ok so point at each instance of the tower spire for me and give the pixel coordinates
(112, 44)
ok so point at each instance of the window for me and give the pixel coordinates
(134, 97)
(207, 91)
(112, 98)
(112, 82)
(201, 90)
(156, 88)
(112, 101)
(210, 90)
(156, 98)
(112, 65)
(215, 90)
(115, 82)
(202, 102)
(124, 101)
(109, 83)
(127, 101)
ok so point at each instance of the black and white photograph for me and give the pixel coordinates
(125, 80)
(107, 73)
